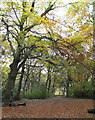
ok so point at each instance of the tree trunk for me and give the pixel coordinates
(39, 77)
(17, 97)
(8, 97)
(53, 87)
(8, 94)
(68, 85)
(48, 82)
(67, 88)
(49, 85)
(26, 80)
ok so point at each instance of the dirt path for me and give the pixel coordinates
(56, 107)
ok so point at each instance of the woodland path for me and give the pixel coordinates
(56, 107)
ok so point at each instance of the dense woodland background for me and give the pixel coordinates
(45, 53)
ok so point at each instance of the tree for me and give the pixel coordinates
(18, 32)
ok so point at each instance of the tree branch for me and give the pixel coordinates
(31, 26)
(15, 13)
(51, 7)
(75, 59)
(23, 17)
(32, 6)
(7, 27)
(27, 53)
(67, 4)
(4, 15)
(83, 64)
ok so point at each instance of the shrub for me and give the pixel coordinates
(37, 93)
(82, 89)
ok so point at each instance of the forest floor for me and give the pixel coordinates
(56, 107)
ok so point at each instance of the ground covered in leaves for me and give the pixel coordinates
(56, 107)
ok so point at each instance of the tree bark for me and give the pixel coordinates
(49, 85)
(8, 94)
(68, 85)
(53, 86)
(39, 77)
(67, 88)
(26, 80)
(48, 82)
(17, 97)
